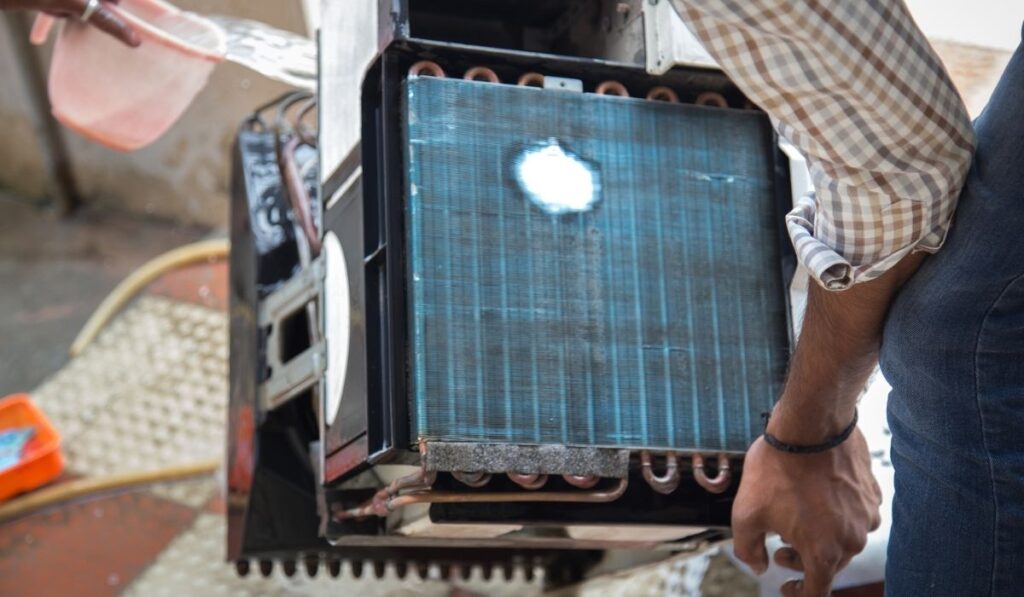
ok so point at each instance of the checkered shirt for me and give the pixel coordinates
(856, 87)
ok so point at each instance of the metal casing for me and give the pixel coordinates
(381, 426)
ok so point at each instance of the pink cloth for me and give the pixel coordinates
(126, 98)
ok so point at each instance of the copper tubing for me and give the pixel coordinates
(481, 73)
(307, 238)
(662, 93)
(613, 88)
(531, 80)
(420, 478)
(664, 484)
(710, 98)
(720, 482)
(581, 481)
(449, 497)
(528, 481)
(308, 137)
(426, 68)
(377, 505)
(472, 479)
(297, 193)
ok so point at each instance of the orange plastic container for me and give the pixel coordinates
(41, 460)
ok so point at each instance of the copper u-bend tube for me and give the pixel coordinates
(426, 68)
(449, 497)
(710, 98)
(297, 196)
(612, 88)
(419, 480)
(662, 93)
(531, 80)
(477, 479)
(528, 481)
(664, 484)
(720, 482)
(581, 481)
(481, 73)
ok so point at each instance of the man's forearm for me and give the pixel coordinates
(836, 353)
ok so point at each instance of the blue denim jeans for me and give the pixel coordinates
(953, 351)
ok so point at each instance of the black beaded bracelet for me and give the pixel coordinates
(782, 446)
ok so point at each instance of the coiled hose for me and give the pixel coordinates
(137, 280)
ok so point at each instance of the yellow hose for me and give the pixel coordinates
(64, 492)
(200, 251)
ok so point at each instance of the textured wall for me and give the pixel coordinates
(184, 175)
(21, 166)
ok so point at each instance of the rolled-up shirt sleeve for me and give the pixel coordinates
(857, 88)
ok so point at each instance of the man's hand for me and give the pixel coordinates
(103, 19)
(822, 505)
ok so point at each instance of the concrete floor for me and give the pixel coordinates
(54, 272)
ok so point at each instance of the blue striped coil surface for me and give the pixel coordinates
(589, 270)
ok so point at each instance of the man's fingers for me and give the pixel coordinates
(817, 581)
(876, 521)
(105, 20)
(787, 557)
(791, 588)
(41, 28)
(748, 545)
(800, 588)
(876, 513)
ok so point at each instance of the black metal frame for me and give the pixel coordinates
(268, 472)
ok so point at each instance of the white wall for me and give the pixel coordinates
(21, 167)
(989, 23)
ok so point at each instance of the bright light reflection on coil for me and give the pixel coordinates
(556, 180)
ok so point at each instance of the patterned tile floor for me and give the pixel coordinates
(88, 548)
(150, 392)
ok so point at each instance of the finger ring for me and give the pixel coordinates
(90, 9)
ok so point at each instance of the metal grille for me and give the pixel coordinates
(653, 316)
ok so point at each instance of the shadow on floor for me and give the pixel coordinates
(55, 271)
